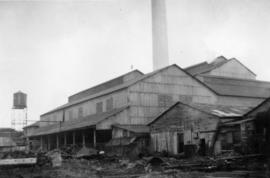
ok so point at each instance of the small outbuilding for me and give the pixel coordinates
(191, 128)
(129, 140)
(251, 134)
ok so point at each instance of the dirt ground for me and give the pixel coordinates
(114, 169)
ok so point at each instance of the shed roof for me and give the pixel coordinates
(216, 110)
(237, 87)
(134, 128)
(35, 124)
(205, 67)
(258, 106)
(223, 111)
(237, 122)
(87, 121)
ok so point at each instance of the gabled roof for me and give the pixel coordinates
(124, 86)
(205, 67)
(226, 86)
(134, 128)
(163, 113)
(258, 106)
(215, 110)
(88, 121)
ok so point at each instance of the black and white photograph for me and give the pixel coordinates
(134, 89)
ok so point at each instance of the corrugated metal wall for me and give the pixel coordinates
(173, 82)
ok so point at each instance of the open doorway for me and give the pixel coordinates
(180, 141)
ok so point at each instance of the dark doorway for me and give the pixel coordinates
(202, 147)
(180, 140)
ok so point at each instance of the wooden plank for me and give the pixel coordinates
(22, 161)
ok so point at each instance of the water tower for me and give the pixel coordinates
(19, 110)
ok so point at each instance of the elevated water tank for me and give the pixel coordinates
(19, 100)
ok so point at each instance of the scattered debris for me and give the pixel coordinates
(88, 162)
(86, 152)
(56, 158)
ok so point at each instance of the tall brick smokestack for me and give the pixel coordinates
(159, 34)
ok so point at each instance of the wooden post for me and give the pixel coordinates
(73, 136)
(49, 143)
(41, 143)
(94, 135)
(83, 139)
(65, 139)
(57, 141)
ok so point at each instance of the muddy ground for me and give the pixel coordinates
(115, 169)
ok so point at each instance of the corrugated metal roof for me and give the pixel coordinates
(103, 86)
(233, 123)
(237, 87)
(265, 102)
(121, 87)
(216, 110)
(35, 124)
(134, 128)
(105, 92)
(206, 67)
(87, 121)
(223, 111)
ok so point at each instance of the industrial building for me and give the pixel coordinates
(128, 104)
(11, 140)
(122, 110)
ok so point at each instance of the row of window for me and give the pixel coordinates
(164, 100)
(99, 108)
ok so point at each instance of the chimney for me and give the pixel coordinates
(159, 34)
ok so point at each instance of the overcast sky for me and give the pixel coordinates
(52, 49)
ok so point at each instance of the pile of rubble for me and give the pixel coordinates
(88, 162)
(110, 164)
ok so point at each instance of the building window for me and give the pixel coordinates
(109, 104)
(164, 100)
(99, 107)
(70, 114)
(80, 112)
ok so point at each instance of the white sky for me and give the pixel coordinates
(51, 50)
